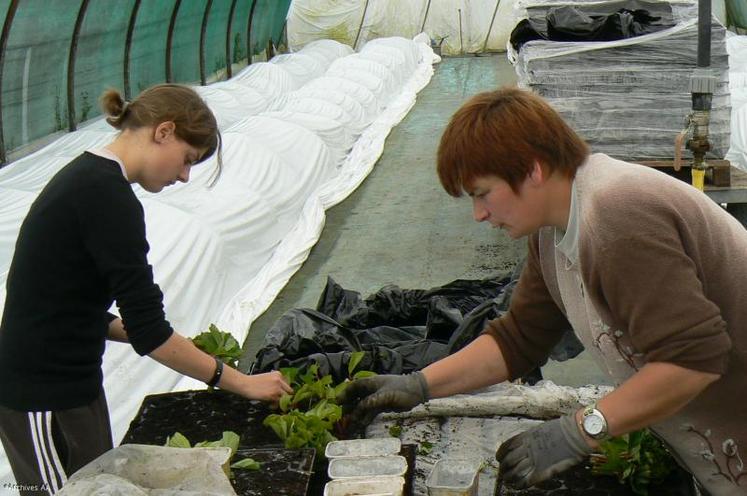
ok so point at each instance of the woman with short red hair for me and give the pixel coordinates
(647, 270)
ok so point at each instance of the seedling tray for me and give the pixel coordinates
(200, 415)
(204, 415)
(283, 472)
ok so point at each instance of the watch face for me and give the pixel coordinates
(593, 425)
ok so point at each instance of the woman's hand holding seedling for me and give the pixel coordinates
(311, 415)
(372, 395)
(223, 346)
(265, 387)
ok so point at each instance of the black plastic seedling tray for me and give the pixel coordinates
(204, 415)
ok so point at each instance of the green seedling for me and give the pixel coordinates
(228, 440)
(638, 459)
(222, 345)
(247, 464)
(311, 414)
(425, 447)
(177, 441)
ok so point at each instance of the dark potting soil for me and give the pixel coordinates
(204, 415)
(201, 416)
(579, 481)
(283, 472)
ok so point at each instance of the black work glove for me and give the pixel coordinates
(366, 398)
(542, 452)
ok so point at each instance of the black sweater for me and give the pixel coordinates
(81, 246)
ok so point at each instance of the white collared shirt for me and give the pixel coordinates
(108, 154)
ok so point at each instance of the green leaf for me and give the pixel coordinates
(311, 412)
(361, 374)
(289, 373)
(247, 464)
(637, 458)
(325, 381)
(297, 440)
(311, 374)
(229, 440)
(355, 359)
(323, 409)
(219, 344)
(304, 393)
(285, 401)
(341, 387)
(425, 448)
(395, 430)
(278, 424)
(177, 441)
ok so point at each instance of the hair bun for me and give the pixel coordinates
(113, 106)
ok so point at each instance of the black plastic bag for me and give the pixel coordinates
(606, 21)
(400, 330)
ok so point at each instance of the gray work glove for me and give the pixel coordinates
(541, 452)
(367, 397)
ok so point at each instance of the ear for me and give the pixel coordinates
(164, 131)
(537, 176)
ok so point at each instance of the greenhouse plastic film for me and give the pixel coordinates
(628, 98)
(351, 20)
(737, 46)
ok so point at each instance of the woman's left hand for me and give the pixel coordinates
(542, 452)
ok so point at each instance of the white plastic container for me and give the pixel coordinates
(363, 447)
(453, 477)
(377, 486)
(367, 466)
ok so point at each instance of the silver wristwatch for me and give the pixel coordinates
(593, 423)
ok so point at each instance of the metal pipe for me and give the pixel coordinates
(128, 45)
(284, 36)
(203, 30)
(492, 20)
(702, 86)
(71, 66)
(249, 33)
(3, 44)
(170, 38)
(461, 42)
(704, 33)
(425, 18)
(229, 25)
(360, 26)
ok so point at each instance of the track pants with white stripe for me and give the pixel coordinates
(44, 448)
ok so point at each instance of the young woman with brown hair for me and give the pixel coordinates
(82, 246)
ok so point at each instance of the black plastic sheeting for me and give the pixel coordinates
(401, 330)
(597, 22)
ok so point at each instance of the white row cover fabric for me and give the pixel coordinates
(300, 132)
(737, 48)
(465, 26)
(472, 426)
